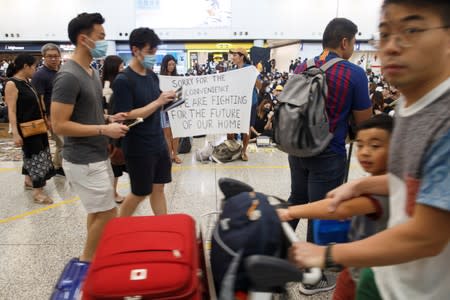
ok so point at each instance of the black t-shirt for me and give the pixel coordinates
(43, 83)
(260, 123)
(132, 91)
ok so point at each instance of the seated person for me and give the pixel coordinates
(370, 212)
(263, 123)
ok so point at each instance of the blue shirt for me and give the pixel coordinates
(348, 90)
(132, 91)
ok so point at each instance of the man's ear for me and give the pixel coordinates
(134, 49)
(345, 42)
(82, 39)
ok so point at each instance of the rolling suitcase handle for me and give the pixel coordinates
(281, 270)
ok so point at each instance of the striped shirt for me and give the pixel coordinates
(347, 91)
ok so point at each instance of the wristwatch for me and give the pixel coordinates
(330, 265)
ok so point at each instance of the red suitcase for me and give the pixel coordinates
(146, 258)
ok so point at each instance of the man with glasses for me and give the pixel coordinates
(42, 80)
(137, 93)
(411, 258)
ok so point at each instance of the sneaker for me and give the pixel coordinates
(60, 172)
(327, 283)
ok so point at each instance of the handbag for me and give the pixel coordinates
(116, 155)
(34, 127)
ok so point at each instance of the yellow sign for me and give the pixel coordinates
(223, 46)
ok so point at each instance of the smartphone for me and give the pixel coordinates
(177, 101)
(131, 123)
(178, 93)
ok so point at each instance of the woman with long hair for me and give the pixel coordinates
(112, 65)
(24, 105)
(263, 122)
(169, 68)
(377, 102)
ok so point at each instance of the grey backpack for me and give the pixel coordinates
(300, 124)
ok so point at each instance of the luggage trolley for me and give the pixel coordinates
(280, 270)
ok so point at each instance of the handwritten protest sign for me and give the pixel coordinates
(214, 104)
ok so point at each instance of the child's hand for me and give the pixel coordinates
(283, 214)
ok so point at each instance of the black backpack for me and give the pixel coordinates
(185, 145)
(248, 225)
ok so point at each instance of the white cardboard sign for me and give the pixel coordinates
(214, 104)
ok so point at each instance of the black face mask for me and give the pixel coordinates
(266, 110)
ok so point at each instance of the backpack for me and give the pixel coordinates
(185, 145)
(248, 225)
(227, 151)
(300, 123)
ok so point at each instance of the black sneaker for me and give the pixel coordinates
(325, 284)
(60, 172)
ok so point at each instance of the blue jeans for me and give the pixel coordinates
(312, 178)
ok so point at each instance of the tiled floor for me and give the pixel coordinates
(36, 241)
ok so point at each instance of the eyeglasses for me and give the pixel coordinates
(52, 56)
(405, 38)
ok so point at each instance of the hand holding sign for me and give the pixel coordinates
(177, 101)
(166, 97)
(213, 104)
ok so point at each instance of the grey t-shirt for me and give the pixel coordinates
(367, 225)
(73, 85)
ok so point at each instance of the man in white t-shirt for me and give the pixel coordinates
(411, 257)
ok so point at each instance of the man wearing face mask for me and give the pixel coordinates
(77, 114)
(137, 92)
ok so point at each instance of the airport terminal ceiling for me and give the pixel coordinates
(175, 20)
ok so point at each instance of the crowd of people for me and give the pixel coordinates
(396, 251)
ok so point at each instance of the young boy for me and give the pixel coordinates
(370, 212)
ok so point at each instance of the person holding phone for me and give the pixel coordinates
(136, 91)
(112, 65)
(169, 68)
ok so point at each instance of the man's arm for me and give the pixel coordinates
(361, 103)
(123, 96)
(426, 234)
(377, 185)
(362, 115)
(62, 125)
(149, 109)
(319, 210)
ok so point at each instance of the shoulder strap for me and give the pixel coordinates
(330, 63)
(310, 63)
(39, 100)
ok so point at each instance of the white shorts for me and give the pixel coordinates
(93, 183)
